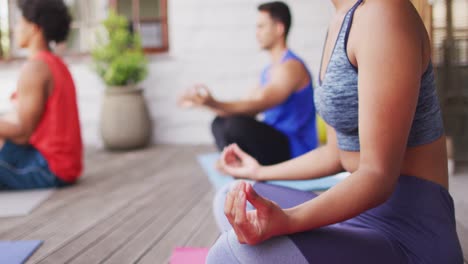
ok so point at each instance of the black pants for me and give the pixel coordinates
(261, 141)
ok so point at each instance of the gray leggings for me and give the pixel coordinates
(415, 220)
(228, 249)
(276, 250)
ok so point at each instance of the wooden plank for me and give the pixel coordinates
(67, 198)
(119, 213)
(181, 231)
(81, 216)
(58, 200)
(97, 233)
(8, 223)
(157, 233)
(206, 234)
(120, 209)
(154, 185)
(91, 236)
(155, 219)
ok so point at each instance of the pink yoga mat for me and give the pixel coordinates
(189, 256)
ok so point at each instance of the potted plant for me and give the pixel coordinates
(119, 60)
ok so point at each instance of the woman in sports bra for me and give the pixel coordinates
(377, 95)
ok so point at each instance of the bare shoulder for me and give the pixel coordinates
(391, 15)
(293, 69)
(399, 19)
(35, 66)
(35, 70)
(393, 26)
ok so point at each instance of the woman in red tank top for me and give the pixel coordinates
(41, 139)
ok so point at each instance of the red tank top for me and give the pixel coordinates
(58, 136)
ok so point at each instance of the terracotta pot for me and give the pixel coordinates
(125, 119)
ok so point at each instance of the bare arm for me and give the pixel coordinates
(32, 95)
(284, 81)
(320, 162)
(387, 102)
(253, 93)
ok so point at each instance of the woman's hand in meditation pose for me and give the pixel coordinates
(254, 226)
(235, 162)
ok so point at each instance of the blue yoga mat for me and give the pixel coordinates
(17, 252)
(208, 161)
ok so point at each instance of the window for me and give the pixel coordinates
(149, 18)
(5, 33)
(86, 15)
(459, 31)
(85, 21)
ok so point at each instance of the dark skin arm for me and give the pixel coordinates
(326, 159)
(285, 80)
(32, 94)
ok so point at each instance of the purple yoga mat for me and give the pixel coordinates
(17, 252)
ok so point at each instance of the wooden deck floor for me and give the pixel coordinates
(130, 207)
(135, 207)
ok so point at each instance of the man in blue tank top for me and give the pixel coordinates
(284, 95)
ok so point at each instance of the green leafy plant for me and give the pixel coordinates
(118, 57)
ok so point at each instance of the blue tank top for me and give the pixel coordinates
(337, 102)
(295, 117)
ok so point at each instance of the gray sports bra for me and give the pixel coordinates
(336, 99)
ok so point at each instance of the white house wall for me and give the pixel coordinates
(211, 41)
